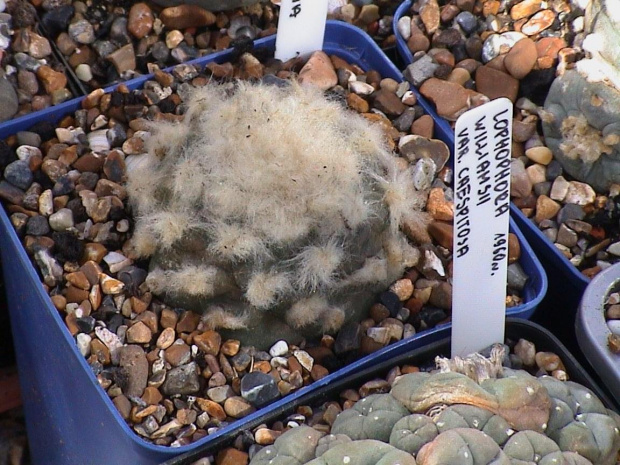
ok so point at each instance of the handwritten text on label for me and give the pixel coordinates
(482, 206)
(301, 28)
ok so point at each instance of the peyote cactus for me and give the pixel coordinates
(272, 210)
(295, 447)
(507, 417)
(581, 117)
(372, 418)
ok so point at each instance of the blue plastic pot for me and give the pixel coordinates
(566, 282)
(515, 330)
(70, 419)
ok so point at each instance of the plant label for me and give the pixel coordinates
(482, 155)
(301, 28)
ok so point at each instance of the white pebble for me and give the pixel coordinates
(83, 72)
(61, 220)
(83, 343)
(404, 27)
(279, 349)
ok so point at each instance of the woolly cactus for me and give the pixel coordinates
(272, 210)
(581, 118)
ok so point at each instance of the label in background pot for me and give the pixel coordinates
(482, 155)
(301, 28)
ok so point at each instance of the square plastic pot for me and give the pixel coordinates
(70, 419)
(515, 330)
(592, 329)
(566, 283)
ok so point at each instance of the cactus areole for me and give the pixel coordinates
(272, 210)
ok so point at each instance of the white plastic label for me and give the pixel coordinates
(301, 28)
(482, 156)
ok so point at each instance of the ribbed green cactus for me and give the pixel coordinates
(469, 416)
(462, 445)
(371, 418)
(410, 433)
(448, 418)
(295, 447)
(364, 452)
(581, 117)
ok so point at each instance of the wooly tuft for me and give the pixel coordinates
(271, 209)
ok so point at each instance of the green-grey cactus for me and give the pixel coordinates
(364, 452)
(593, 436)
(462, 445)
(330, 440)
(469, 416)
(284, 224)
(373, 417)
(410, 433)
(530, 447)
(295, 447)
(581, 117)
(507, 418)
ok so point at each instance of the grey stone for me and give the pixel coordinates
(8, 100)
(567, 236)
(119, 33)
(542, 188)
(18, 173)
(220, 393)
(10, 193)
(160, 52)
(82, 32)
(104, 48)
(551, 234)
(259, 388)
(570, 211)
(467, 21)
(421, 70)
(136, 367)
(37, 226)
(405, 120)
(116, 135)
(184, 52)
(492, 46)
(404, 27)
(24, 61)
(61, 220)
(348, 339)
(241, 361)
(516, 277)
(50, 269)
(182, 380)
(28, 138)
